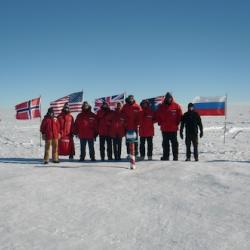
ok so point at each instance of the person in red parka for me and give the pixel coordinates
(146, 129)
(66, 142)
(117, 123)
(50, 129)
(103, 131)
(168, 117)
(131, 111)
(86, 129)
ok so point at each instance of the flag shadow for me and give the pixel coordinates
(17, 160)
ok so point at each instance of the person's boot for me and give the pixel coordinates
(188, 159)
(164, 158)
(150, 158)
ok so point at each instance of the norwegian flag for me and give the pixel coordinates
(28, 110)
(110, 100)
(155, 102)
(74, 100)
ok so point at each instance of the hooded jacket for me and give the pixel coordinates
(50, 127)
(102, 119)
(169, 116)
(85, 126)
(117, 124)
(146, 122)
(66, 121)
(131, 113)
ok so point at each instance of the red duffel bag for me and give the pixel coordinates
(66, 146)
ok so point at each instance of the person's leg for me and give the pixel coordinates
(46, 151)
(150, 147)
(55, 150)
(115, 147)
(102, 147)
(119, 145)
(109, 147)
(165, 146)
(188, 147)
(142, 147)
(91, 149)
(175, 145)
(83, 149)
(195, 145)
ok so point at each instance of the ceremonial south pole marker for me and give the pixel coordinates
(131, 138)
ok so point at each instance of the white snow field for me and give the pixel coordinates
(160, 205)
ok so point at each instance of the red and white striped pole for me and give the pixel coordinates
(132, 155)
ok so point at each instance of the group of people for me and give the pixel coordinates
(112, 125)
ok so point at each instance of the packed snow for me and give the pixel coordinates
(105, 205)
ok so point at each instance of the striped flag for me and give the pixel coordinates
(210, 106)
(28, 110)
(74, 101)
(110, 100)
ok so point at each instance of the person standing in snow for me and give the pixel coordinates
(146, 129)
(103, 131)
(66, 142)
(85, 128)
(117, 123)
(168, 117)
(191, 120)
(50, 129)
(131, 112)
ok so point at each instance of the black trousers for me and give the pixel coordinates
(170, 137)
(108, 140)
(149, 144)
(117, 147)
(91, 148)
(191, 139)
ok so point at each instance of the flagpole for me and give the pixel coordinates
(225, 125)
(40, 120)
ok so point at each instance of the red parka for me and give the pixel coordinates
(146, 121)
(131, 113)
(86, 125)
(103, 125)
(169, 117)
(117, 124)
(66, 124)
(50, 127)
(66, 142)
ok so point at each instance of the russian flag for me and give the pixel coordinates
(210, 106)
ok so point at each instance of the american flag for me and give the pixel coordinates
(110, 100)
(74, 100)
(155, 102)
(28, 110)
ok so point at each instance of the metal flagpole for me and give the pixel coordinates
(225, 125)
(40, 120)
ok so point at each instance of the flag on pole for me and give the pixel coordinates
(155, 102)
(28, 110)
(110, 100)
(74, 100)
(210, 106)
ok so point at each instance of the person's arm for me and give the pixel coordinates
(182, 126)
(200, 125)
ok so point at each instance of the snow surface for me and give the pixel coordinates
(160, 205)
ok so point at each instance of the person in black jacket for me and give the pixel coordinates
(191, 120)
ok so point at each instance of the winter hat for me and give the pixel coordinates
(85, 104)
(144, 101)
(190, 105)
(66, 106)
(168, 95)
(50, 111)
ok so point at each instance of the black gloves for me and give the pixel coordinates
(201, 134)
(181, 134)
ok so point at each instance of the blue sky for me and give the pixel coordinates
(53, 48)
